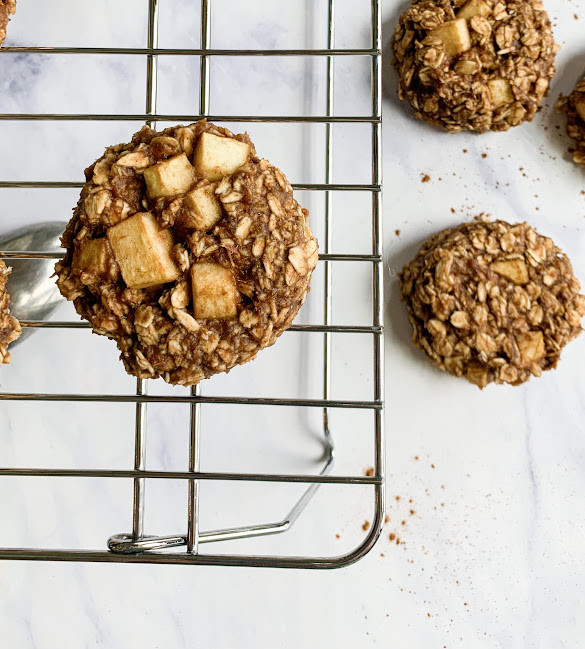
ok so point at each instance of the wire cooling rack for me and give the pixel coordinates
(188, 547)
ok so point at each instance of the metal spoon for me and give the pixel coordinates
(33, 292)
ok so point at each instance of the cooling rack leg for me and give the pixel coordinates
(378, 271)
(327, 235)
(139, 464)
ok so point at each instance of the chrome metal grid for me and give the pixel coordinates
(185, 548)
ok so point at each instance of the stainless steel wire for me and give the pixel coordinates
(136, 546)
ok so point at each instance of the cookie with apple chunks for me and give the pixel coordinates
(188, 250)
(492, 302)
(475, 65)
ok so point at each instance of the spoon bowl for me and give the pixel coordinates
(33, 292)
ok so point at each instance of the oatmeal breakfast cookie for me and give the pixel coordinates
(492, 302)
(7, 9)
(475, 65)
(188, 250)
(574, 107)
(9, 326)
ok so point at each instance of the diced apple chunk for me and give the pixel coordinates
(454, 36)
(501, 92)
(214, 291)
(478, 375)
(466, 67)
(169, 177)
(95, 257)
(580, 108)
(514, 270)
(530, 346)
(143, 251)
(202, 208)
(216, 157)
(474, 8)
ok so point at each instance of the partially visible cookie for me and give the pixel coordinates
(9, 326)
(475, 65)
(574, 107)
(492, 302)
(189, 250)
(7, 9)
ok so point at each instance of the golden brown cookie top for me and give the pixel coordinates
(187, 249)
(474, 65)
(492, 302)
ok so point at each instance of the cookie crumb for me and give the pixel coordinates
(366, 526)
(425, 178)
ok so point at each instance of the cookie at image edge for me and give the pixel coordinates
(492, 302)
(574, 107)
(188, 250)
(7, 9)
(9, 326)
(474, 65)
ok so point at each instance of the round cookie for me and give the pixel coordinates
(7, 9)
(475, 65)
(574, 107)
(492, 302)
(188, 250)
(9, 326)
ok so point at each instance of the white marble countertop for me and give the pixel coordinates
(489, 484)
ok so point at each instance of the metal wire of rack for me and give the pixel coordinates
(186, 548)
